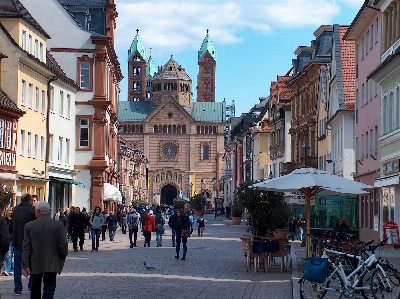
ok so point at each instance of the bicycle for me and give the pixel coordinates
(338, 283)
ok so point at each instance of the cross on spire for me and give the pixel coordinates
(137, 31)
(150, 51)
(207, 31)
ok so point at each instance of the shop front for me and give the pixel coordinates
(30, 185)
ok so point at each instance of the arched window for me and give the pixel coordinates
(133, 129)
(165, 86)
(202, 130)
(141, 128)
(179, 129)
(206, 130)
(214, 130)
(125, 129)
(169, 129)
(174, 129)
(129, 128)
(198, 129)
(210, 130)
(160, 129)
(175, 86)
(155, 130)
(165, 129)
(183, 129)
(137, 129)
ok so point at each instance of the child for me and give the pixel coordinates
(200, 226)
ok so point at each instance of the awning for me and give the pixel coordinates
(387, 181)
(31, 178)
(71, 182)
(111, 193)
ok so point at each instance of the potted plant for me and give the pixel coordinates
(198, 202)
(236, 211)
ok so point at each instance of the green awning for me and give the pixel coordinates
(72, 182)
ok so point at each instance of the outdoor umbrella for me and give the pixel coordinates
(311, 181)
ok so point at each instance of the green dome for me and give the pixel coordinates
(150, 67)
(207, 45)
(137, 45)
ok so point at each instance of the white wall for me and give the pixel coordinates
(81, 196)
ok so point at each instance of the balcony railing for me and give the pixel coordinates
(390, 50)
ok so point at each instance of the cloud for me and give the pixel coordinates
(171, 26)
(353, 3)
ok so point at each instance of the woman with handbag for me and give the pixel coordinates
(182, 226)
(148, 227)
(159, 228)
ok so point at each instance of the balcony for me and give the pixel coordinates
(390, 50)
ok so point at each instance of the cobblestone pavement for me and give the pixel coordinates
(214, 268)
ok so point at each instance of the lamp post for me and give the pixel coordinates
(202, 195)
(306, 146)
(147, 178)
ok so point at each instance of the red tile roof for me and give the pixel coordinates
(274, 85)
(347, 48)
(284, 91)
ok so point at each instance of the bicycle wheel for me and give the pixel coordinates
(385, 287)
(330, 289)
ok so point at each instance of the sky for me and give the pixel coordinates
(255, 40)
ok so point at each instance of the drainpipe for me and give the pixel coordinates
(48, 134)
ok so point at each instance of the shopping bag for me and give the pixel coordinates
(316, 269)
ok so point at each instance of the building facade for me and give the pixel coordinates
(181, 139)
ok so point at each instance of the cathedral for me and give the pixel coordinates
(182, 138)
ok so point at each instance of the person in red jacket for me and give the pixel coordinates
(148, 227)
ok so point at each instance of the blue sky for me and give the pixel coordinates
(254, 39)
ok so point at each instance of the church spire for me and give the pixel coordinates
(150, 67)
(137, 45)
(207, 45)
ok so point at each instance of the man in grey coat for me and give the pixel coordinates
(44, 251)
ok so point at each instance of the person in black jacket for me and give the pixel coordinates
(78, 223)
(181, 223)
(171, 221)
(22, 214)
(4, 238)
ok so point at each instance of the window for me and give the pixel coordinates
(85, 75)
(41, 52)
(376, 139)
(376, 89)
(155, 129)
(22, 143)
(41, 148)
(66, 150)
(206, 152)
(366, 144)
(29, 152)
(84, 132)
(362, 95)
(37, 99)
(366, 92)
(30, 44)
(366, 42)
(376, 30)
(372, 36)
(61, 103)
(30, 91)
(357, 54)
(35, 146)
(68, 108)
(51, 99)
(371, 84)
(356, 150)
(9, 134)
(362, 47)
(60, 149)
(362, 146)
(43, 101)
(36, 49)
(51, 147)
(1, 133)
(23, 91)
(371, 144)
(23, 40)
(357, 104)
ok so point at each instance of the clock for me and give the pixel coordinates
(170, 150)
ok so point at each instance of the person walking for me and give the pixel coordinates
(200, 226)
(67, 214)
(62, 218)
(112, 223)
(8, 268)
(44, 251)
(123, 222)
(22, 214)
(133, 222)
(159, 228)
(300, 226)
(171, 223)
(78, 223)
(181, 224)
(292, 227)
(104, 227)
(96, 221)
(148, 227)
(4, 240)
(191, 221)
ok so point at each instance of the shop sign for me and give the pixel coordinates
(301, 199)
(391, 167)
(7, 158)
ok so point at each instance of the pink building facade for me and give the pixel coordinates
(365, 31)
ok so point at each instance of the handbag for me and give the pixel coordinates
(185, 233)
(316, 269)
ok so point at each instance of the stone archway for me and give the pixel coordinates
(168, 193)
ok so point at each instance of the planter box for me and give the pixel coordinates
(281, 233)
(236, 220)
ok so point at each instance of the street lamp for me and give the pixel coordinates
(306, 146)
(147, 178)
(202, 195)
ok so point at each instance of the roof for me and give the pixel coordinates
(356, 21)
(200, 111)
(89, 14)
(15, 9)
(283, 90)
(172, 70)
(207, 45)
(150, 67)
(274, 85)
(52, 64)
(7, 103)
(137, 45)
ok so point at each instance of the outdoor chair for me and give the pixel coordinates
(254, 254)
(282, 253)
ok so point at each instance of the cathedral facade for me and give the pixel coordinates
(182, 139)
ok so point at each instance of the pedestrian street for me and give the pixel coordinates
(214, 268)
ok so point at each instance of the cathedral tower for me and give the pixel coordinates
(207, 60)
(137, 70)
